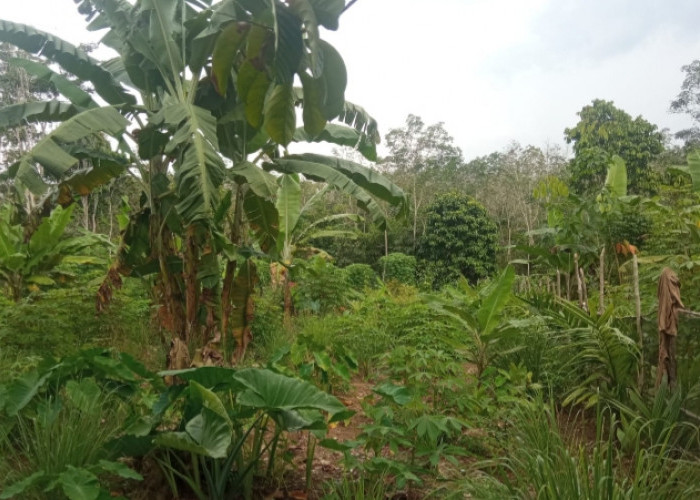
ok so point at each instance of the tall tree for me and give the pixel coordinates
(423, 160)
(688, 102)
(604, 131)
(504, 183)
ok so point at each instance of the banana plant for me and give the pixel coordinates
(33, 261)
(294, 235)
(199, 98)
(478, 314)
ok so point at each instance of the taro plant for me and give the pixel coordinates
(230, 426)
(59, 420)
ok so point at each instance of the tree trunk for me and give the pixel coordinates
(558, 283)
(579, 288)
(601, 283)
(638, 319)
(93, 217)
(85, 199)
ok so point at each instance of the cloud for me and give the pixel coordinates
(573, 32)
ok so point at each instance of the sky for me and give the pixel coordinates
(494, 71)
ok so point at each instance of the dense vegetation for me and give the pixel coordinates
(190, 311)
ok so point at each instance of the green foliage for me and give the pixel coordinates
(604, 131)
(542, 462)
(478, 313)
(398, 267)
(459, 239)
(60, 321)
(361, 276)
(26, 261)
(319, 286)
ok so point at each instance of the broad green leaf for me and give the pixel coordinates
(694, 169)
(263, 219)
(289, 44)
(84, 393)
(65, 87)
(210, 431)
(271, 391)
(288, 208)
(328, 12)
(255, 100)
(200, 172)
(333, 81)
(261, 182)
(36, 111)
(165, 51)
(208, 399)
(180, 441)
(227, 45)
(360, 120)
(69, 57)
(343, 136)
(79, 484)
(304, 11)
(616, 180)
(15, 489)
(56, 160)
(323, 173)
(207, 376)
(314, 121)
(119, 469)
(367, 178)
(397, 393)
(493, 303)
(40, 280)
(280, 117)
(51, 230)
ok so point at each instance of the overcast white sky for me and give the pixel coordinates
(493, 70)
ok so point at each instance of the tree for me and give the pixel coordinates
(688, 102)
(212, 82)
(423, 160)
(504, 183)
(604, 131)
(459, 239)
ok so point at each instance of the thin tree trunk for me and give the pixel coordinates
(86, 211)
(638, 319)
(386, 242)
(579, 288)
(558, 283)
(111, 215)
(601, 283)
(95, 202)
(584, 288)
(191, 292)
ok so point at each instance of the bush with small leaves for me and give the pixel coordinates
(398, 267)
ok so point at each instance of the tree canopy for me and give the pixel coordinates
(603, 131)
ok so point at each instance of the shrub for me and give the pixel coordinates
(459, 239)
(398, 267)
(319, 286)
(361, 276)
